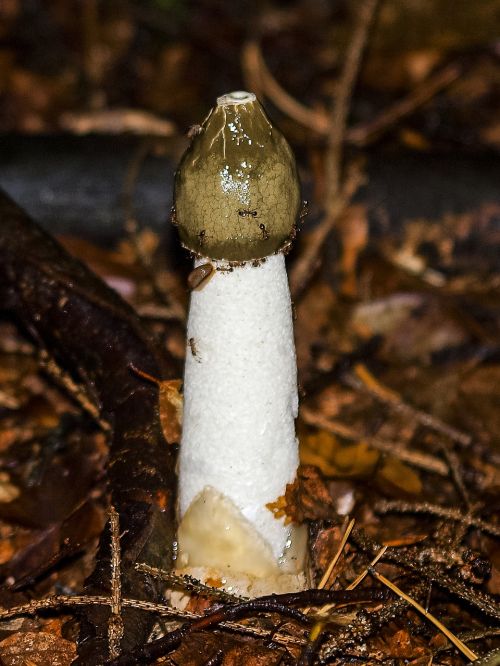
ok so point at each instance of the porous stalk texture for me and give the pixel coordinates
(240, 395)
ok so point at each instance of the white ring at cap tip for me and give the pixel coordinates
(236, 97)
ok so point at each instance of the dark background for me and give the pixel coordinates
(64, 61)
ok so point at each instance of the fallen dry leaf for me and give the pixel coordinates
(170, 403)
(37, 649)
(399, 476)
(336, 459)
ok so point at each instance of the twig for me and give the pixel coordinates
(258, 75)
(132, 229)
(59, 601)
(386, 506)
(365, 573)
(308, 261)
(264, 604)
(456, 474)
(362, 134)
(469, 636)
(115, 622)
(74, 390)
(326, 576)
(454, 639)
(430, 572)
(339, 191)
(365, 626)
(416, 458)
(162, 646)
(358, 381)
(190, 584)
(338, 118)
(262, 82)
(117, 121)
(491, 658)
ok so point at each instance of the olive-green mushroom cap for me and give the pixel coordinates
(237, 193)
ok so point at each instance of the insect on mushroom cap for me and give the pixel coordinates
(237, 193)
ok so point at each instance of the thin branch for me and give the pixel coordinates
(476, 635)
(117, 121)
(261, 80)
(175, 309)
(115, 622)
(340, 111)
(360, 382)
(386, 506)
(162, 646)
(362, 134)
(339, 190)
(63, 379)
(62, 601)
(454, 639)
(456, 474)
(190, 584)
(364, 626)
(365, 573)
(259, 76)
(417, 459)
(409, 561)
(307, 262)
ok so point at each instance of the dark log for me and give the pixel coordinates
(72, 185)
(95, 335)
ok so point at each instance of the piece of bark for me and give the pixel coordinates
(95, 335)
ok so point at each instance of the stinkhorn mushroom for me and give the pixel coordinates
(237, 199)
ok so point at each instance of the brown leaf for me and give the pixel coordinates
(37, 649)
(397, 477)
(170, 402)
(335, 459)
(305, 499)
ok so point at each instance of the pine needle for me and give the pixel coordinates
(326, 576)
(454, 639)
(336, 557)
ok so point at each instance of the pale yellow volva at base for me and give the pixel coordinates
(228, 548)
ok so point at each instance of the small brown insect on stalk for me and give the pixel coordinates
(200, 276)
(201, 237)
(192, 346)
(265, 235)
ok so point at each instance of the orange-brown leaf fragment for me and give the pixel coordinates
(37, 648)
(307, 498)
(279, 507)
(171, 403)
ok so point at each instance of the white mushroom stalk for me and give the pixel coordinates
(237, 200)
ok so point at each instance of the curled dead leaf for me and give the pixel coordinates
(170, 402)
